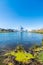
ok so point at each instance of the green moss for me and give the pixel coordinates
(40, 56)
(42, 42)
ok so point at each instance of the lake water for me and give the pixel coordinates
(19, 38)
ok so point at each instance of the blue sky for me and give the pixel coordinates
(26, 13)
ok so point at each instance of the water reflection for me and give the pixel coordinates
(21, 39)
(24, 38)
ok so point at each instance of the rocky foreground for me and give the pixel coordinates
(19, 56)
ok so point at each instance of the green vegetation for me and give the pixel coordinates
(19, 56)
(40, 57)
(6, 30)
(42, 42)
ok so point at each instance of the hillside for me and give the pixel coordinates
(37, 31)
(6, 30)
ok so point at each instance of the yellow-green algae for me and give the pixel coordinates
(20, 56)
(10, 63)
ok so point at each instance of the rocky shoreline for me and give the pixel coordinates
(19, 56)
